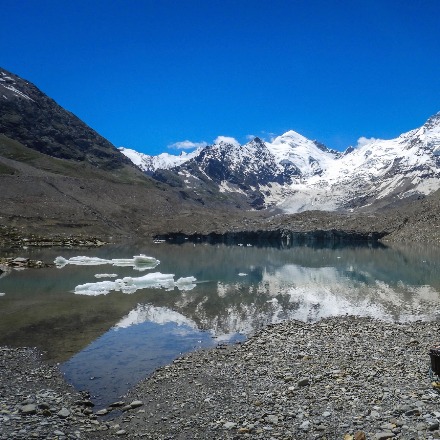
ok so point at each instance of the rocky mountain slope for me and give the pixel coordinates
(58, 176)
(30, 117)
(295, 174)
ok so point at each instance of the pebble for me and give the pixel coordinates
(383, 435)
(28, 409)
(63, 413)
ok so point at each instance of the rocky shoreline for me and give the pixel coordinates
(340, 378)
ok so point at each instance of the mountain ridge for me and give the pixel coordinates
(293, 174)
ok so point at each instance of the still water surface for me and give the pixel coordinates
(106, 343)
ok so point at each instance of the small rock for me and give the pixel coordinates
(383, 435)
(116, 404)
(136, 404)
(305, 426)
(433, 425)
(243, 430)
(304, 382)
(229, 425)
(63, 413)
(28, 409)
(102, 412)
(387, 426)
(360, 435)
(272, 419)
(121, 432)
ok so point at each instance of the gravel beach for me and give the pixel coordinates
(340, 378)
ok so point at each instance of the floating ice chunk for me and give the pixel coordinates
(95, 289)
(241, 274)
(60, 262)
(155, 280)
(2, 294)
(138, 262)
(186, 283)
(151, 280)
(106, 275)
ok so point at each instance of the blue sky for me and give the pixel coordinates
(148, 74)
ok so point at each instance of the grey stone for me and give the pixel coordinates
(433, 425)
(305, 426)
(136, 403)
(229, 425)
(116, 404)
(28, 409)
(272, 419)
(63, 413)
(383, 435)
(304, 382)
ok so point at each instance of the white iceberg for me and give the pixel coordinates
(138, 262)
(106, 275)
(155, 280)
(2, 294)
(186, 283)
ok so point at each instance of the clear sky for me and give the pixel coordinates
(148, 74)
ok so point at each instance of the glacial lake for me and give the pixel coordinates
(107, 334)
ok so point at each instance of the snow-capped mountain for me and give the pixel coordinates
(296, 174)
(379, 172)
(260, 171)
(163, 161)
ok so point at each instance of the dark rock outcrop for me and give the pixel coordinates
(30, 117)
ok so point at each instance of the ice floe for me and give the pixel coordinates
(155, 280)
(2, 294)
(138, 262)
(186, 283)
(106, 275)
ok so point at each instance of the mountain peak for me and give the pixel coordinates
(433, 121)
